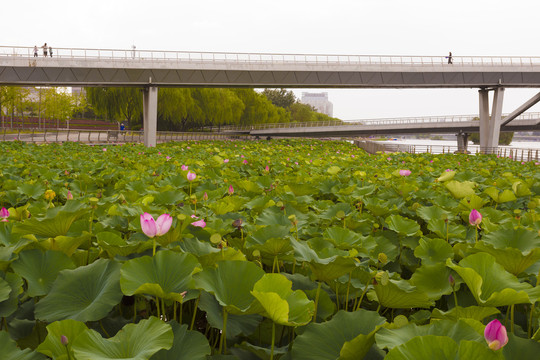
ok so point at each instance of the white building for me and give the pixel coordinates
(319, 101)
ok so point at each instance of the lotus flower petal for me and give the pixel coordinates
(495, 335)
(163, 224)
(148, 225)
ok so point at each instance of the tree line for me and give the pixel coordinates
(179, 109)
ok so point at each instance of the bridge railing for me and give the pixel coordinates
(257, 58)
(383, 121)
(104, 136)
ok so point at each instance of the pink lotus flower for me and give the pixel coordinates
(205, 196)
(245, 161)
(151, 227)
(69, 195)
(4, 214)
(231, 190)
(226, 161)
(191, 176)
(267, 169)
(184, 168)
(104, 149)
(199, 223)
(475, 218)
(404, 172)
(495, 335)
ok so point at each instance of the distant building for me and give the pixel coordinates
(78, 91)
(319, 101)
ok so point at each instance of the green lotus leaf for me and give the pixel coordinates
(471, 312)
(114, 245)
(502, 197)
(223, 282)
(266, 233)
(446, 176)
(53, 347)
(273, 216)
(250, 186)
(170, 197)
(342, 238)
(187, 345)
(329, 269)
(5, 290)
(399, 294)
(459, 189)
(402, 225)
(56, 222)
(434, 212)
(280, 303)
(521, 189)
(10, 305)
(432, 280)
(302, 189)
(67, 244)
(40, 269)
(520, 348)
(229, 204)
(10, 351)
(134, 342)
(376, 206)
(433, 251)
(490, 284)
(166, 275)
(259, 351)
(87, 293)
(511, 259)
(457, 331)
(236, 324)
(509, 237)
(34, 191)
(333, 170)
(426, 347)
(347, 334)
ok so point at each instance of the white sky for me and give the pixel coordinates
(350, 27)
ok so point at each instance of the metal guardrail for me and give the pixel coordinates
(384, 121)
(227, 57)
(103, 136)
(517, 154)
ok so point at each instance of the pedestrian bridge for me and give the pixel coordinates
(153, 69)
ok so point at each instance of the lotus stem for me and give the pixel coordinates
(362, 297)
(317, 301)
(154, 246)
(529, 327)
(174, 310)
(347, 295)
(181, 312)
(157, 307)
(68, 354)
(273, 340)
(223, 339)
(195, 312)
(455, 298)
(512, 318)
(102, 328)
(337, 295)
(476, 233)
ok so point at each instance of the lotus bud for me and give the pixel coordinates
(475, 218)
(205, 196)
(4, 214)
(231, 190)
(237, 223)
(382, 258)
(452, 281)
(184, 168)
(64, 340)
(495, 335)
(69, 195)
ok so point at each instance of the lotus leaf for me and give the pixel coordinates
(134, 342)
(347, 334)
(433, 251)
(10, 351)
(166, 275)
(471, 312)
(433, 280)
(9, 306)
(53, 347)
(187, 345)
(402, 225)
(490, 284)
(5, 289)
(459, 189)
(222, 282)
(87, 293)
(400, 294)
(280, 303)
(40, 269)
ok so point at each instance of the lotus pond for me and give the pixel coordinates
(292, 249)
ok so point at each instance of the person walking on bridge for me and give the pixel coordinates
(450, 58)
(50, 51)
(44, 50)
(35, 50)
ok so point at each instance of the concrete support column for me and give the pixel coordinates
(150, 99)
(490, 126)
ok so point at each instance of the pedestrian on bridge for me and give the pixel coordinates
(450, 58)
(44, 50)
(35, 50)
(50, 51)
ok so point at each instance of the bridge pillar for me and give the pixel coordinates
(490, 126)
(150, 99)
(462, 142)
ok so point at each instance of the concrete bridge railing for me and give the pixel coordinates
(259, 58)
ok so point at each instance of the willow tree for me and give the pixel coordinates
(219, 106)
(116, 104)
(178, 108)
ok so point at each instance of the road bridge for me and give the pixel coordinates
(154, 69)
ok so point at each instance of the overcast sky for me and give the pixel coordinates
(350, 27)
